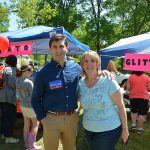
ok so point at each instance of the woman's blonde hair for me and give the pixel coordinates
(111, 66)
(94, 56)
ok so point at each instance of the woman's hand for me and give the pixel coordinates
(125, 135)
(118, 100)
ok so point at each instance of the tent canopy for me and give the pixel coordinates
(40, 35)
(139, 44)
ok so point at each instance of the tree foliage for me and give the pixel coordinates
(48, 12)
(99, 29)
(131, 17)
(66, 14)
(4, 17)
(26, 10)
(45, 14)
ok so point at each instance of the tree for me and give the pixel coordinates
(48, 12)
(4, 17)
(45, 13)
(67, 14)
(99, 29)
(29, 13)
(131, 17)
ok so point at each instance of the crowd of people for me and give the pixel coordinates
(17, 84)
(52, 99)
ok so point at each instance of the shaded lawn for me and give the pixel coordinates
(138, 141)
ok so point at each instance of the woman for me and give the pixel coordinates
(138, 86)
(104, 117)
(24, 90)
(8, 100)
(112, 68)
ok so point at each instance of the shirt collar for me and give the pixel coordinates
(66, 63)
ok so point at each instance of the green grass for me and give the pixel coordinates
(137, 141)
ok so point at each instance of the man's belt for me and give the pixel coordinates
(62, 113)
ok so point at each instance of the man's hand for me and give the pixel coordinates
(107, 73)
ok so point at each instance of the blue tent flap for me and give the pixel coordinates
(31, 33)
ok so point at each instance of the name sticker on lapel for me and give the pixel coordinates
(55, 84)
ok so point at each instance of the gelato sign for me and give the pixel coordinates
(20, 48)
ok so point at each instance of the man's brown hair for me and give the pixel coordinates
(56, 38)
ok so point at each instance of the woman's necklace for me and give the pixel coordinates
(91, 82)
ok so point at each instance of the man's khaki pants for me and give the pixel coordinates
(58, 127)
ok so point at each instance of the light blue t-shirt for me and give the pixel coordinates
(100, 112)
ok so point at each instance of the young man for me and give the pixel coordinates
(54, 97)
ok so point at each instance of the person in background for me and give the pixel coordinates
(32, 77)
(8, 100)
(112, 68)
(104, 116)
(138, 86)
(24, 87)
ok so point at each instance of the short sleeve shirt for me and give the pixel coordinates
(100, 112)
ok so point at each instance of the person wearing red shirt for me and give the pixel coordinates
(138, 86)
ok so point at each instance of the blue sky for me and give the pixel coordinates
(13, 17)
